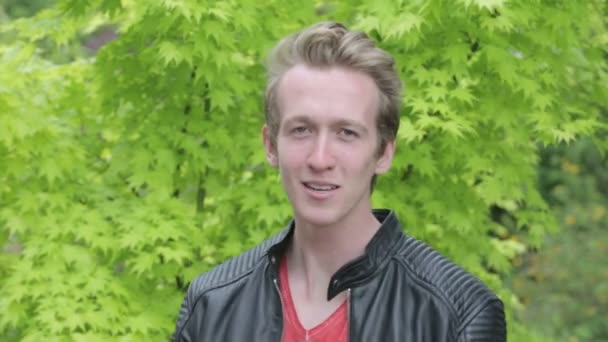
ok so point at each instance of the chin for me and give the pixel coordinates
(319, 217)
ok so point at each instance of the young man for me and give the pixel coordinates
(340, 271)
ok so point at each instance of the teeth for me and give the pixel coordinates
(321, 187)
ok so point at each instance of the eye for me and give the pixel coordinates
(348, 133)
(300, 130)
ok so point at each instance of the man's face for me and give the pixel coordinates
(326, 146)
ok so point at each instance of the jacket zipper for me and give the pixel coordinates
(276, 286)
(348, 323)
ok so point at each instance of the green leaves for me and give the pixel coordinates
(487, 4)
(171, 53)
(486, 82)
(125, 175)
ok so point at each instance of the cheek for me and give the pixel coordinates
(359, 158)
(292, 152)
(288, 160)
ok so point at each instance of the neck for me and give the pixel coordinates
(317, 253)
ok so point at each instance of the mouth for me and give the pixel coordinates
(321, 187)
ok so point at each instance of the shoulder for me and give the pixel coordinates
(223, 275)
(234, 268)
(467, 297)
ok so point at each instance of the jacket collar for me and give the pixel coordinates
(379, 250)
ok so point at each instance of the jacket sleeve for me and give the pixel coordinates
(190, 312)
(487, 326)
(184, 312)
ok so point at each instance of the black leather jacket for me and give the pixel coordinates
(400, 290)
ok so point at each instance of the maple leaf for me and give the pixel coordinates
(408, 132)
(488, 4)
(463, 94)
(173, 106)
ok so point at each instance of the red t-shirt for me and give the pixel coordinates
(333, 329)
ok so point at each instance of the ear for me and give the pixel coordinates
(271, 151)
(384, 161)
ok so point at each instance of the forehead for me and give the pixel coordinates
(327, 93)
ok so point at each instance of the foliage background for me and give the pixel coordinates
(127, 171)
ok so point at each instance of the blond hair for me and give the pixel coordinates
(331, 44)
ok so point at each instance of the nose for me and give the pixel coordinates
(321, 157)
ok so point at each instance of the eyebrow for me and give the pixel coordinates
(298, 118)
